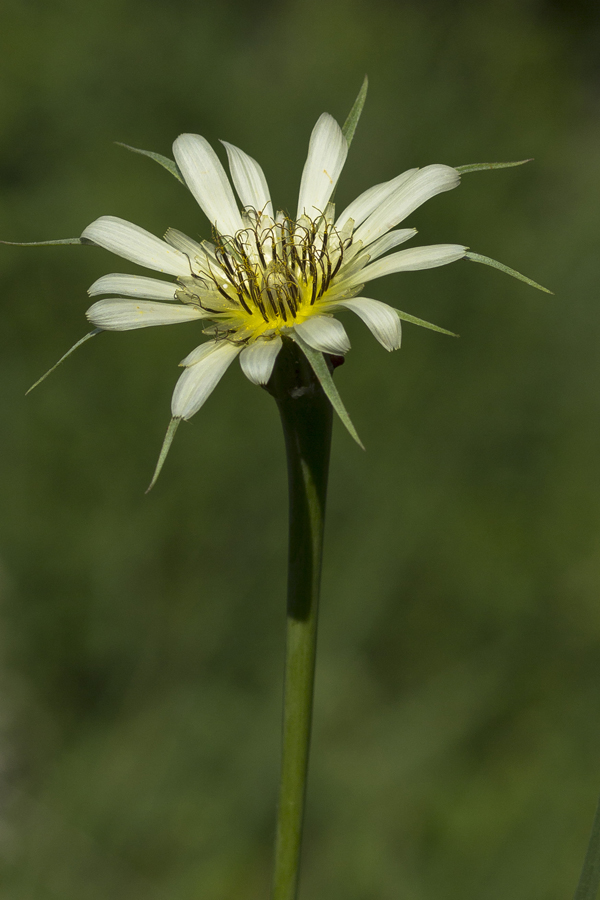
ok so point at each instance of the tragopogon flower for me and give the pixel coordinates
(266, 276)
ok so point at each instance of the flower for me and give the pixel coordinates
(265, 275)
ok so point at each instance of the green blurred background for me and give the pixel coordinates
(456, 750)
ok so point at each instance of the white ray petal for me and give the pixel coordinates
(382, 320)
(367, 202)
(136, 244)
(124, 315)
(198, 353)
(200, 380)
(207, 180)
(389, 240)
(184, 243)
(133, 286)
(325, 334)
(356, 263)
(257, 360)
(412, 260)
(249, 180)
(416, 190)
(327, 153)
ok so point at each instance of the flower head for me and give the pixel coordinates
(266, 275)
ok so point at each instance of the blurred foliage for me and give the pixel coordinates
(457, 729)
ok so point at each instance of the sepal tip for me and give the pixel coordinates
(81, 341)
(321, 370)
(477, 257)
(164, 450)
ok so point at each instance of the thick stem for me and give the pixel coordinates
(306, 416)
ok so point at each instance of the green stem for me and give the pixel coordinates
(306, 416)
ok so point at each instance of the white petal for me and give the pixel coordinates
(133, 286)
(258, 359)
(327, 153)
(420, 187)
(412, 260)
(124, 315)
(249, 180)
(184, 243)
(389, 240)
(367, 202)
(200, 380)
(135, 243)
(325, 334)
(352, 269)
(198, 353)
(208, 182)
(381, 319)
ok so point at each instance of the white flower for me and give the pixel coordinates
(266, 276)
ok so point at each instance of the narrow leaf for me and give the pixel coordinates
(85, 338)
(349, 126)
(479, 167)
(321, 370)
(413, 319)
(42, 243)
(589, 881)
(475, 257)
(164, 450)
(169, 164)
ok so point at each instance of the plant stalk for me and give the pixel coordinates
(306, 416)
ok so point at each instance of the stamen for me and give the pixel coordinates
(338, 264)
(274, 271)
(272, 299)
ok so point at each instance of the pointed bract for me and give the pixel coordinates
(476, 257)
(321, 370)
(349, 126)
(163, 161)
(66, 355)
(164, 450)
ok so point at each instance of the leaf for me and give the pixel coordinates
(169, 164)
(589, 880)
(164, 450)
(476, 257)
(43, 243)
(413, 319)
(349, 126)
(321, 370)
(85, 338)
(479, 167)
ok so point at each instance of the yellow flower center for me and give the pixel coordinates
(272, 275)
